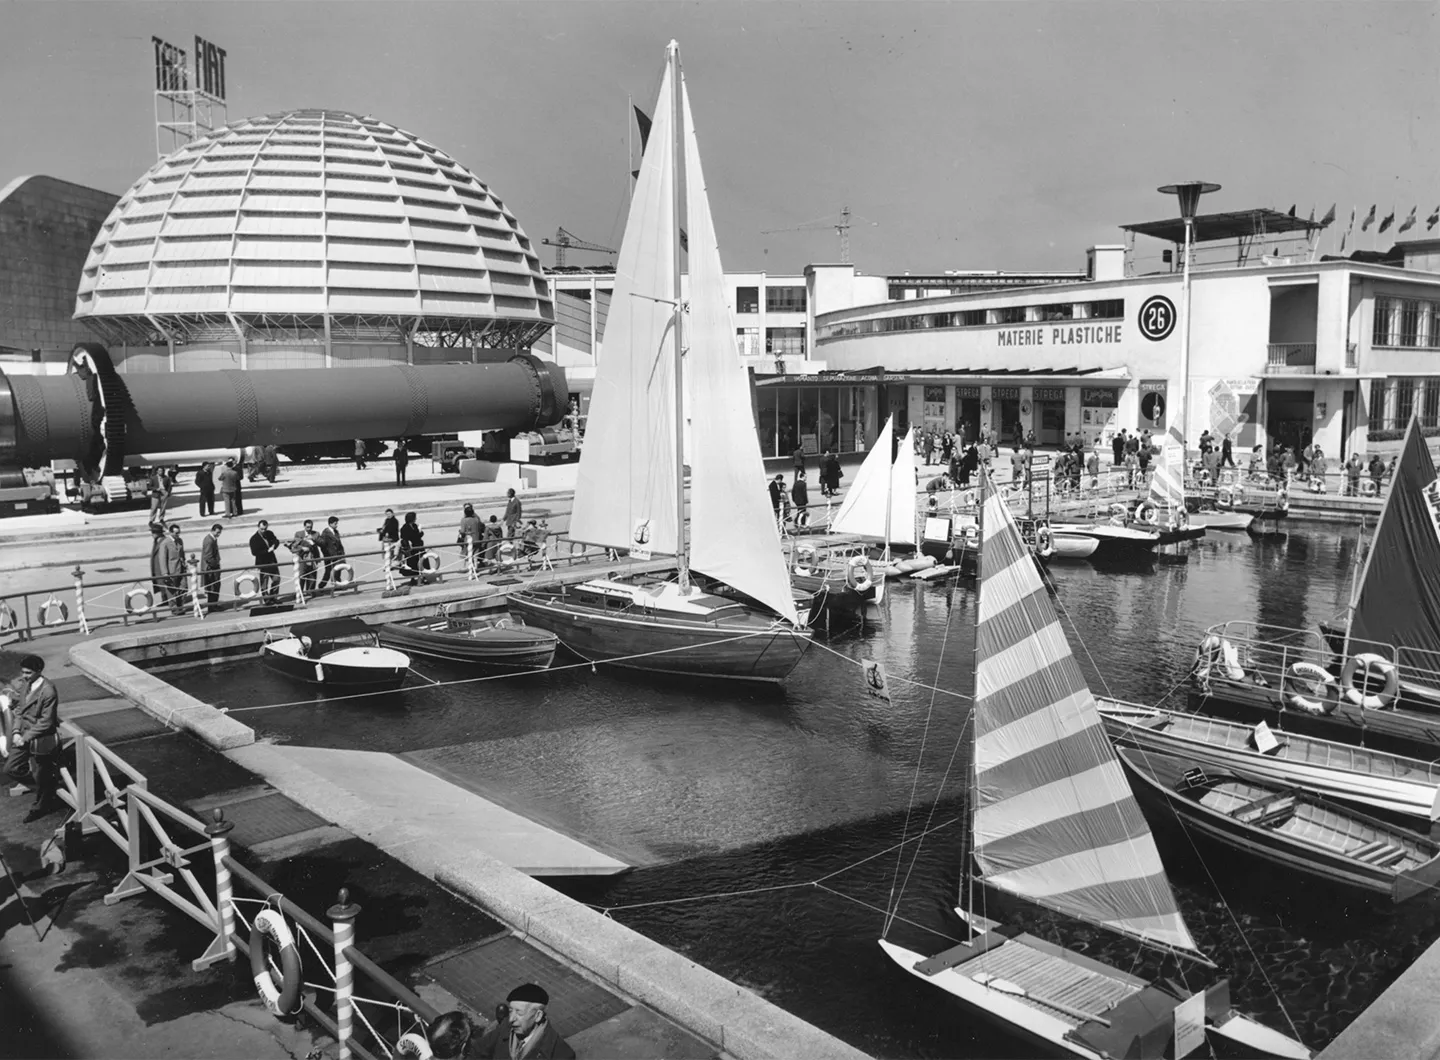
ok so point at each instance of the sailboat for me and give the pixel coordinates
(728, 610)
(1165, 509)
(1054, 822)
(881, 504)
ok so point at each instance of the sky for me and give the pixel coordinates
(962, 135)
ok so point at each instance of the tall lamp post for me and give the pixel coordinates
(1189, 196)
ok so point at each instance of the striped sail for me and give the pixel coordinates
(865, 509)
(1054, 820)
(1167, 482)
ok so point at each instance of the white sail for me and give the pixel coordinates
(1167, 489)
(733, 535)
(866, 505)
(625, 495)
(902, 494)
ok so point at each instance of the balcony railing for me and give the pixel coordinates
(1291, 357)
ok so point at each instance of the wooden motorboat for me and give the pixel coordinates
(1389, 782)
(340, 653)
(1287, 825)
(495, 641)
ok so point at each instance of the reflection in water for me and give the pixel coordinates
(715, 788)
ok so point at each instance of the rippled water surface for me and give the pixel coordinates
(785, 807)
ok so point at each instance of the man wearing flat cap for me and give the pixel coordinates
(35, 737)
(526, 1033)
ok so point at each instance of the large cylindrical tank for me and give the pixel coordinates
(94, 415)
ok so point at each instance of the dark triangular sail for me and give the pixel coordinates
(1398, 602)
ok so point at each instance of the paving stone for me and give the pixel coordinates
(117, 726)
(269, 817)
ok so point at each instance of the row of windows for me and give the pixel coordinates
(1109, 309)
(1411, 396)
(778, 342)
(777, 299)
(1406, 322)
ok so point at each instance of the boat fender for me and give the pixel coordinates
(282, 998)
(413, 1046)
(138, 600)
(1215, 652)
(1044, 541)
(247, 585)
(54, 611)
(343, 576)
(1311, 689)
(8, 620)
(1371, 667)
(859, 574)
(1148, 514)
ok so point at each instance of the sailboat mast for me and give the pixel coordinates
(677, 200)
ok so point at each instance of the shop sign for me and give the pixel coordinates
(1001, 393)
(967, 392)
(1152, 403)
(1062, 335)
(1099, 397)
(1049, 393)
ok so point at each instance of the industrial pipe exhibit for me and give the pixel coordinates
(95, 416)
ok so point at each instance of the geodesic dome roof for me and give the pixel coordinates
(310, 220)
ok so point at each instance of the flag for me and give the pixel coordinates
(1352, 220)
(1387, 220)
(1433, 219)
(1343, 236)
(1409, 222)
(1292, 210)
(1369, 220)
(1329, 217)
(643, 121)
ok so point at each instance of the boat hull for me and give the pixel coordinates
(1410, 787)
(460, 640)
(668, 644)
(1317, 846)
(1099, 542)
(350, 675)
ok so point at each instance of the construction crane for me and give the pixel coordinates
(842, 229)
(564, 241)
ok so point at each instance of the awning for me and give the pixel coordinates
(1214, 227)
(939, 375)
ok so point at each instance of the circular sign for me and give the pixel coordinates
(1152, 406)
(1157, 317)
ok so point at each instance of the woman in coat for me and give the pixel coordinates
(412, 547)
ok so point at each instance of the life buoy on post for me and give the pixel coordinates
(343, 576)
(247, 585)
(138, 600)
(413, 1046)
(1282, 499)
(804, 560)
(1311, 689)
(1217, 654)
(967, 499)
(1370, 667)
(430, 563)
(859, 575)
(281, 998)
(54, 611)
(8, 619)
(1147, 513)
(1225, 498)
(1044, 541)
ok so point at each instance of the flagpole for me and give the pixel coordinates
(629, 153)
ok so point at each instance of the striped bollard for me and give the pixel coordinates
(299, 583)
(223, 947)
(342, 921)
(472, 571)
(193, 563)
(388, 551)
(79, 576)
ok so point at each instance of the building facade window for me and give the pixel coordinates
(747, 341)
(784, 299)
(1410, 323)
(1430, 417)
(812, 418)
(747, 299)
(1109, 309)
(780, 342)
(1404, 400)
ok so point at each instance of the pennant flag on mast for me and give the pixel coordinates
(1352, 220)
(1369, 220)
(1311, 218)
(1329, 217)
(1409, 222)
(1343, 236)
(1433, 219)
(1291, 211)
(642, 120)
(1388, 220)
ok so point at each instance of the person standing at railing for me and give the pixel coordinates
(512, 513)
(469, 535)
(1318, 467)
(389, 534)
(1227, 454)
(332, 548)
(262, 548)
(1376, 467)
(1354, 467)
(307, 557)
(33, 762)
(494, 534)
(210, 566)
(412, 547)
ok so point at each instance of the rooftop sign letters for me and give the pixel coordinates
(171, 74)
(1061, 335)
(210, 68)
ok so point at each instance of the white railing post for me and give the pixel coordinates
(193, 563)
(222, 948)
(472, 572)
(79, 576)
(299, 586)
(342, 922)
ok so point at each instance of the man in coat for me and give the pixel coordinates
(205, 482)
(526, 1032)
(230, 488)
(173, 551)
(210, 565)
(262, 547)
(332, 547)
(402, 460)
(33, 762)
(512, 513)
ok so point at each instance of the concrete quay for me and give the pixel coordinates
(1404, 1021)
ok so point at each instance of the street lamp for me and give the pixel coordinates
(1189, 196)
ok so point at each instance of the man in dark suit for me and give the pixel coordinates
(332, 547)
(262, 547)
(35, 739)
(210, 565)
(525, 1032)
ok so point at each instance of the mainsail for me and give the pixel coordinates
(1398, 602)
(1053, 817)
(866, 506)
(1167, 482)
(901, 527)
(733, 535)
(625, 495)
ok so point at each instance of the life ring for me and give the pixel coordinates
(859, 575)
(343, 576)
(1215, 652)
(1227, 478)
(54, 611)
(8, 620)
(1024, 408)
(985, 406)
(430, 563)
(1368, 664)
(1282, 499)
(413, 1046)
(967, 499)
(1148, 514)
(1368, 488)
(1225, 498)
(138, 600)
(1311, 689)
(805, 560)
(1044, 540)
(282, 998)
(247, 585)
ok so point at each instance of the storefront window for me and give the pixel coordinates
(829, 418)
(765, 420)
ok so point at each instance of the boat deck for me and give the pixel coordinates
(1052, 982)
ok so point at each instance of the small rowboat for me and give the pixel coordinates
(1288, 826)
(340, 653)
(499, 641)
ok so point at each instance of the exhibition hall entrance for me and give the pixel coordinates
(1290, 418)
